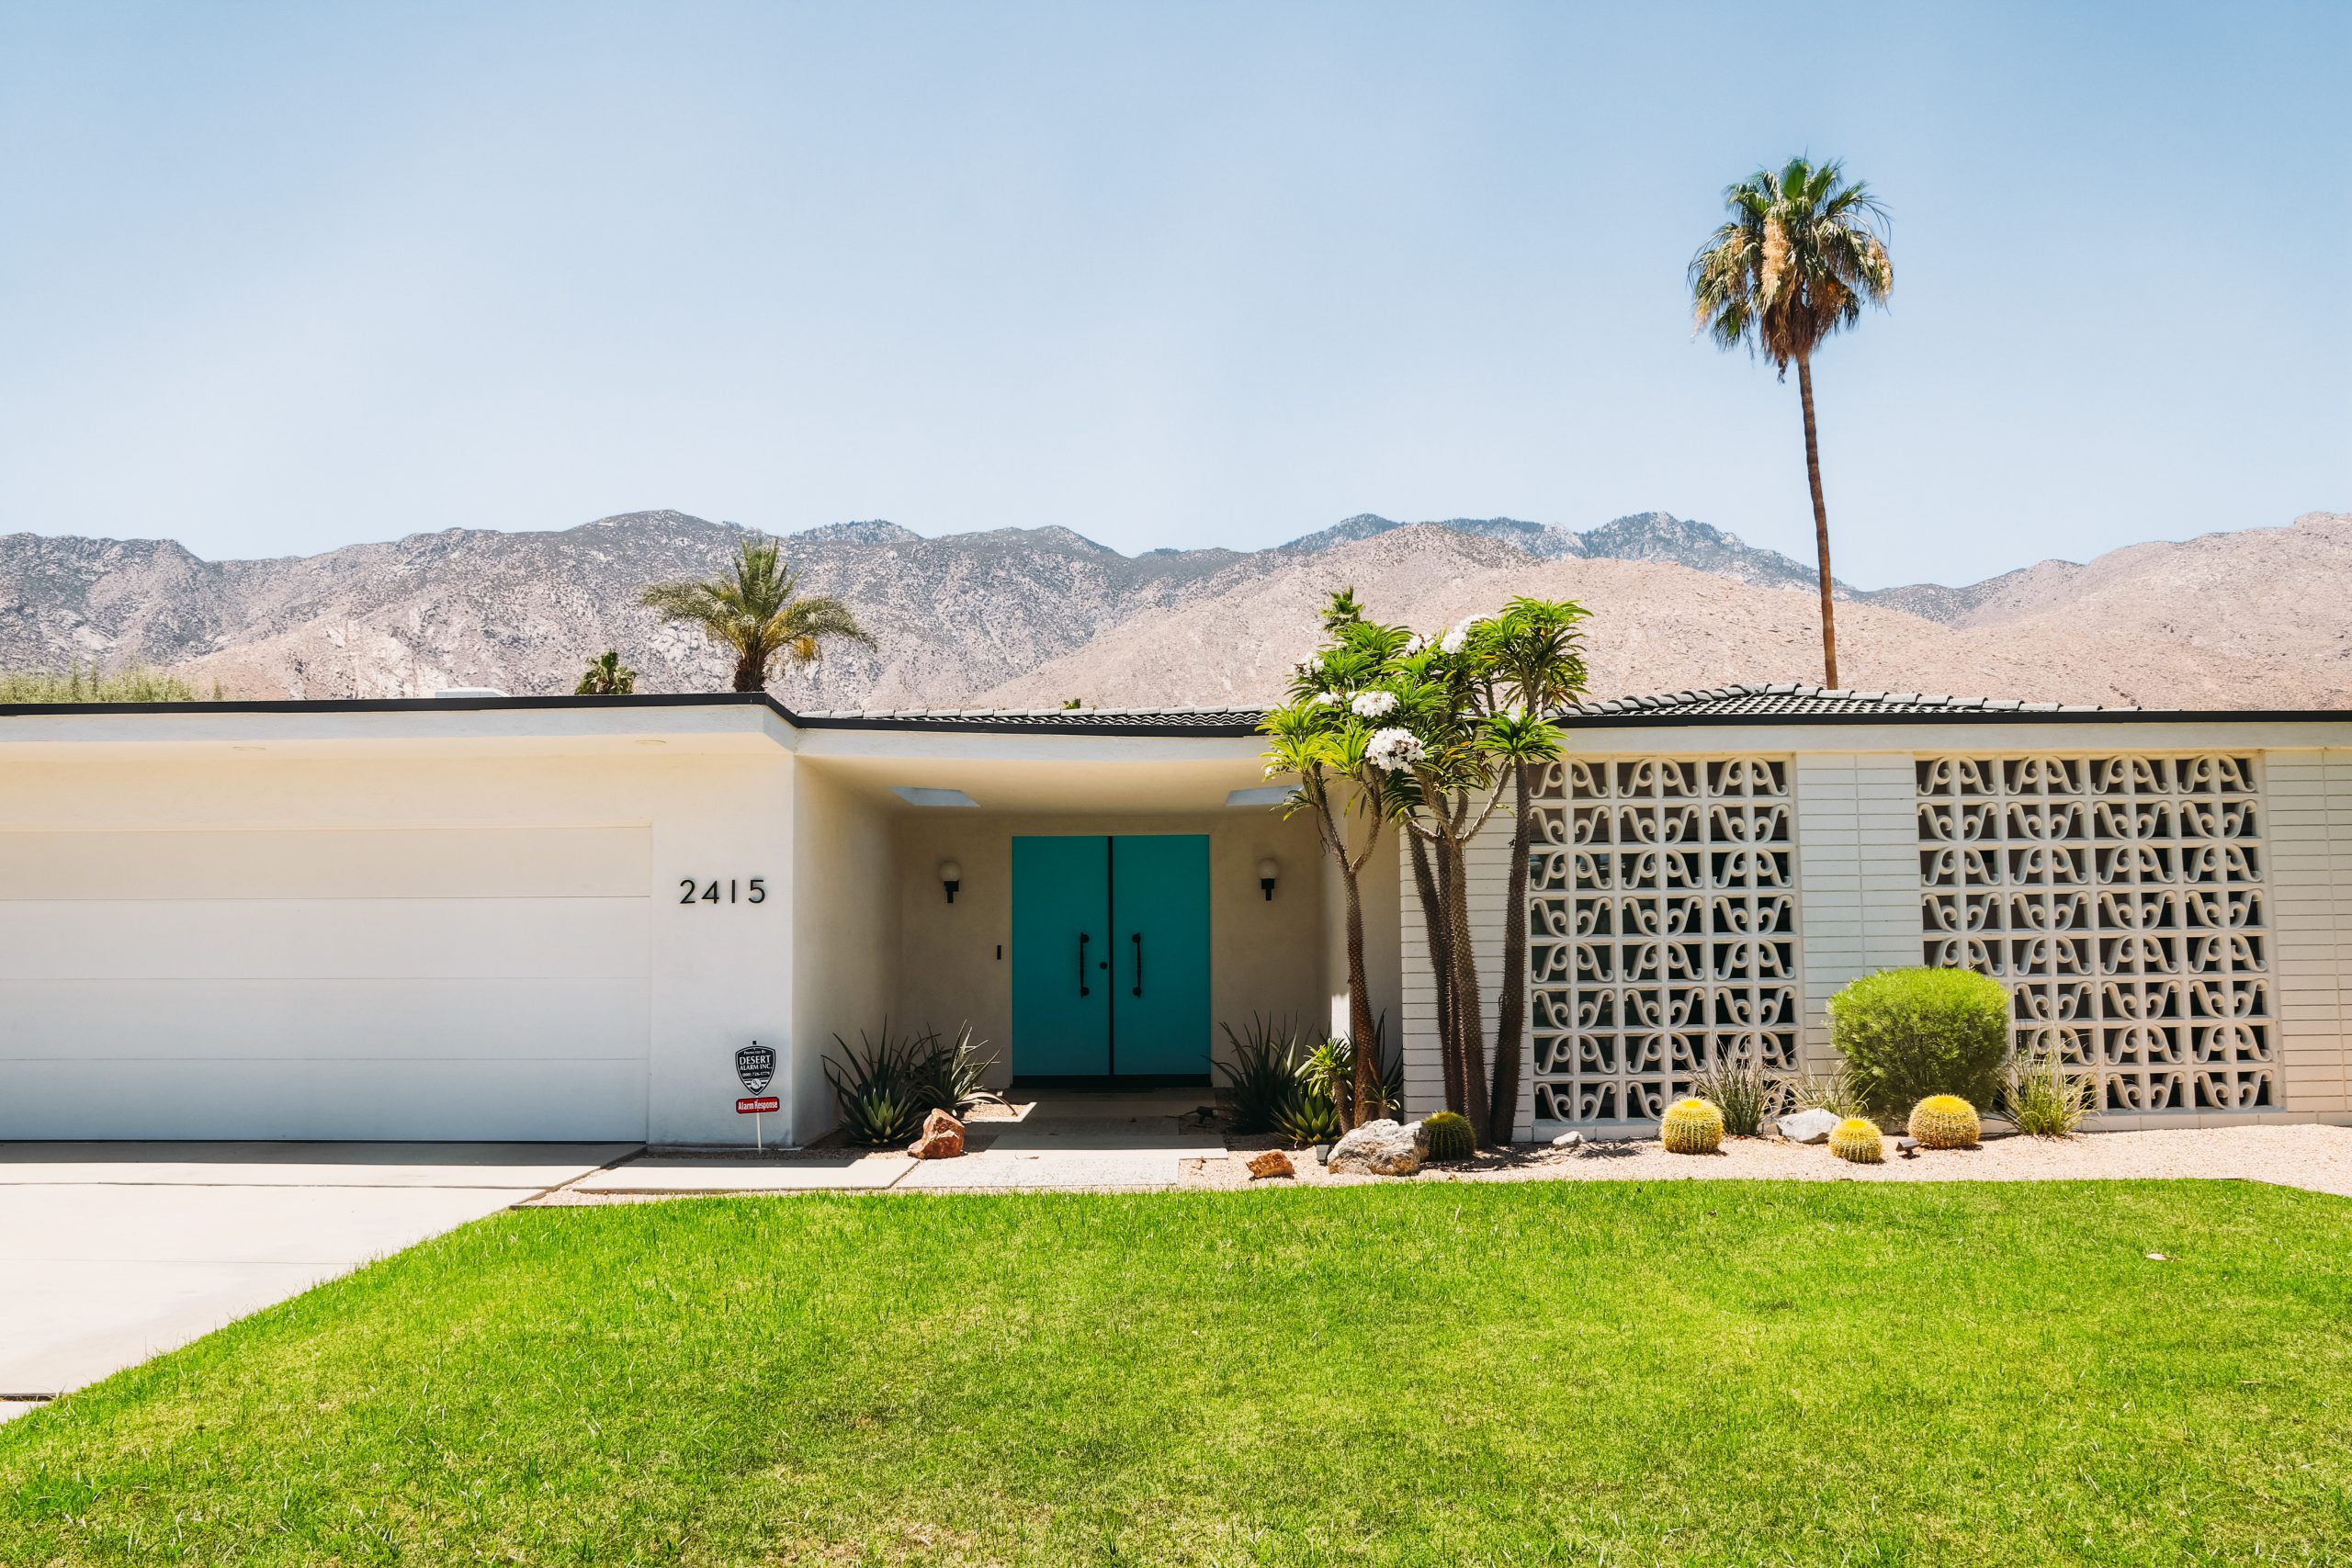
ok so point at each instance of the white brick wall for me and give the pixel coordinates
(1858, 878)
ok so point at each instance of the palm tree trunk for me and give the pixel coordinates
(751, 674)
(1510, 1007)
(1434, 926)
(1820, 525)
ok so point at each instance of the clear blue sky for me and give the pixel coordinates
(275, 278)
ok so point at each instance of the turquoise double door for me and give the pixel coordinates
(1111, 957)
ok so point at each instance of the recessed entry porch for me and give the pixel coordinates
(1107, 915)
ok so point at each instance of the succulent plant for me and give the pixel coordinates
(1945, 1121)
(1306, 1116)
(1450, 1137)
(1857, 1138)
(1691, 1127)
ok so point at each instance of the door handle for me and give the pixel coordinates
(1139, 962)
(1082, 939)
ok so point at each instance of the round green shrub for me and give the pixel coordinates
(1449, 1136)
(1909, 1034)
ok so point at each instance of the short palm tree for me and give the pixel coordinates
(755, 609)
(606, 677)
(1796, 260)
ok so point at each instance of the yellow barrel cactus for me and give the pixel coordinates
(1691, 1127)
(1857, 1138)
(1945, 1121)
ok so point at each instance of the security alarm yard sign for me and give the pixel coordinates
(755, 1065)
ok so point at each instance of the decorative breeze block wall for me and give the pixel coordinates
(1662, 929)
(2120, 898)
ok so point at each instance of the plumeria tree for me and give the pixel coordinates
(1532, 659)
(1431, 734)
(1321, 736)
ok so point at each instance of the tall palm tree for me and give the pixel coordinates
(755, 608)
(1799, 254)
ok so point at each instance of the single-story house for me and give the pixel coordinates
(559, 918)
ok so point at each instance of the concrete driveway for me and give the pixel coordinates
(111, 1253)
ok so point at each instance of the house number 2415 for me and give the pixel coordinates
(692, 890)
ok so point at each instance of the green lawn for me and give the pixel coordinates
(1684, 1372)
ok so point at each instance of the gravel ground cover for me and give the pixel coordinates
(2315, 1158)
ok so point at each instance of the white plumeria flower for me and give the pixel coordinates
(1323, 699)
(1452, 640)
(1414, 644)
(1394, 751)
(1373, 705)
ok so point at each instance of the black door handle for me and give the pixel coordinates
(1082, 939)
(1139, 962)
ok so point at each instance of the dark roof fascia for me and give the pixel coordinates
(1640, 720)
(975, 724)
(1026, 724)
(1045, 724)
(406, 705)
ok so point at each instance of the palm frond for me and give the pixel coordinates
(1802, 250)
(754, 608)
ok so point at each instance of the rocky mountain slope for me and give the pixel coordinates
(1034, 617)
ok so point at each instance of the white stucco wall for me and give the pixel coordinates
(278, 942)
(846, 940)
(1378, 891)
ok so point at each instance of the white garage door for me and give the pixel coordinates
(405, 983)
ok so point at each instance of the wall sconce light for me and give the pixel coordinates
(951, 876)
(1266, 870)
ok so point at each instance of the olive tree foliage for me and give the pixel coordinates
(1431, 735)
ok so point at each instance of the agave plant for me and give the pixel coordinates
(876, 1114)
(946, 1074)
(1307, 1115)
(878, 1085)
(1263, 1074)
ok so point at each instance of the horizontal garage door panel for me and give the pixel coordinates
(355, 862)
(464, 1099)
(303, 937)
(326, 1019)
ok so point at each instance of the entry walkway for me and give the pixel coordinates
(1073, 1141)
(112, 1253)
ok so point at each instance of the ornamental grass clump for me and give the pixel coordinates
(2042, 1097)
(1691, 1127)
(1857, 1138)
(1909, 1034)
(1739, 1085)
(1449, 1136)
(1945, 1121)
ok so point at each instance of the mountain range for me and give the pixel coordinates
(1033, 617)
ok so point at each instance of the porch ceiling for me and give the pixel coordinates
(1092, 787)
